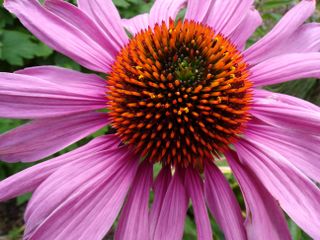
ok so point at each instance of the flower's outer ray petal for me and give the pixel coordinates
(226, 15)
(197, 9)
(41, 138)
(284, 115)
(282, 31)
(88, 205)
(61, 35)
(29, 179)
(136, 24)
(27, 96)
(74, 16)
(296, 194)
(246, 28)
(106, 15)
(173, 211)
(133, 223)
(223, 204)
(163, 10)
(305, 39)
(265, 220)
(194, 187)
(160, 189)
(286, 67)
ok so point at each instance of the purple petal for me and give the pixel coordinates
(194, 187)
(62, 36)
(28, 180)
(163, 10)
(286, 67)
(160, 189)
(171, 220)
(197, 10)
(289, 23)
(136, 24)
(296, 194)
(265, 219)
(223, 204)
(41, 138)
(133, 223)
(106, 15)
(88, 205)
(246, 28)
(284, 115)
(301, 150)
(80, 20)
(60, 92)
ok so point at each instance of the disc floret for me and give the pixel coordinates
(179, 94)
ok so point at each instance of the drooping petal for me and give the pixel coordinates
(223, 204)
(163, 10)
(106, 15)
(30, 97)
(137, 23)
(224, 16)
(289, 23)
(265, 219)
(88, 205)
(160, 189)
(41, 138)
(284, 115)
(133, 223)
(286, 67)
(296, 194)
(29, 179)
(197, 9)
(171, 220)
(74, 16)
(301, 150)
(62, 36)
(246, 28)
(194, 187)
(305, 39)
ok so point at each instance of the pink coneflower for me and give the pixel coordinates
(179, 93)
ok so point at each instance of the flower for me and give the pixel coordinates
(179, 93)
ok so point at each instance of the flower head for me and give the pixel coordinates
(182, 93)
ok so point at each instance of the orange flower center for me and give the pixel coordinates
(179, 94)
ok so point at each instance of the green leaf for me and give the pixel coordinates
(23, 199)
(121, 3)
(17, 46)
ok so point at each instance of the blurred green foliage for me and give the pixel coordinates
(20, 49)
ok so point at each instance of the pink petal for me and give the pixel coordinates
(224, 16)
(62, 36)
(289, 23)
(88, 205)
(170, 224)
(299, 149)
(106, 15)
(80, 20)
(265, 219)
(133, 223)
(160, 189)
(197, 10)
(163, 10)
(29, 97)
(286, 67)
(28, 180)
(223, 204)
(277, 113)
(305, 39)
(194, 187)
(296, 194)
(246, 28)
(136, 24)
(41, 138)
